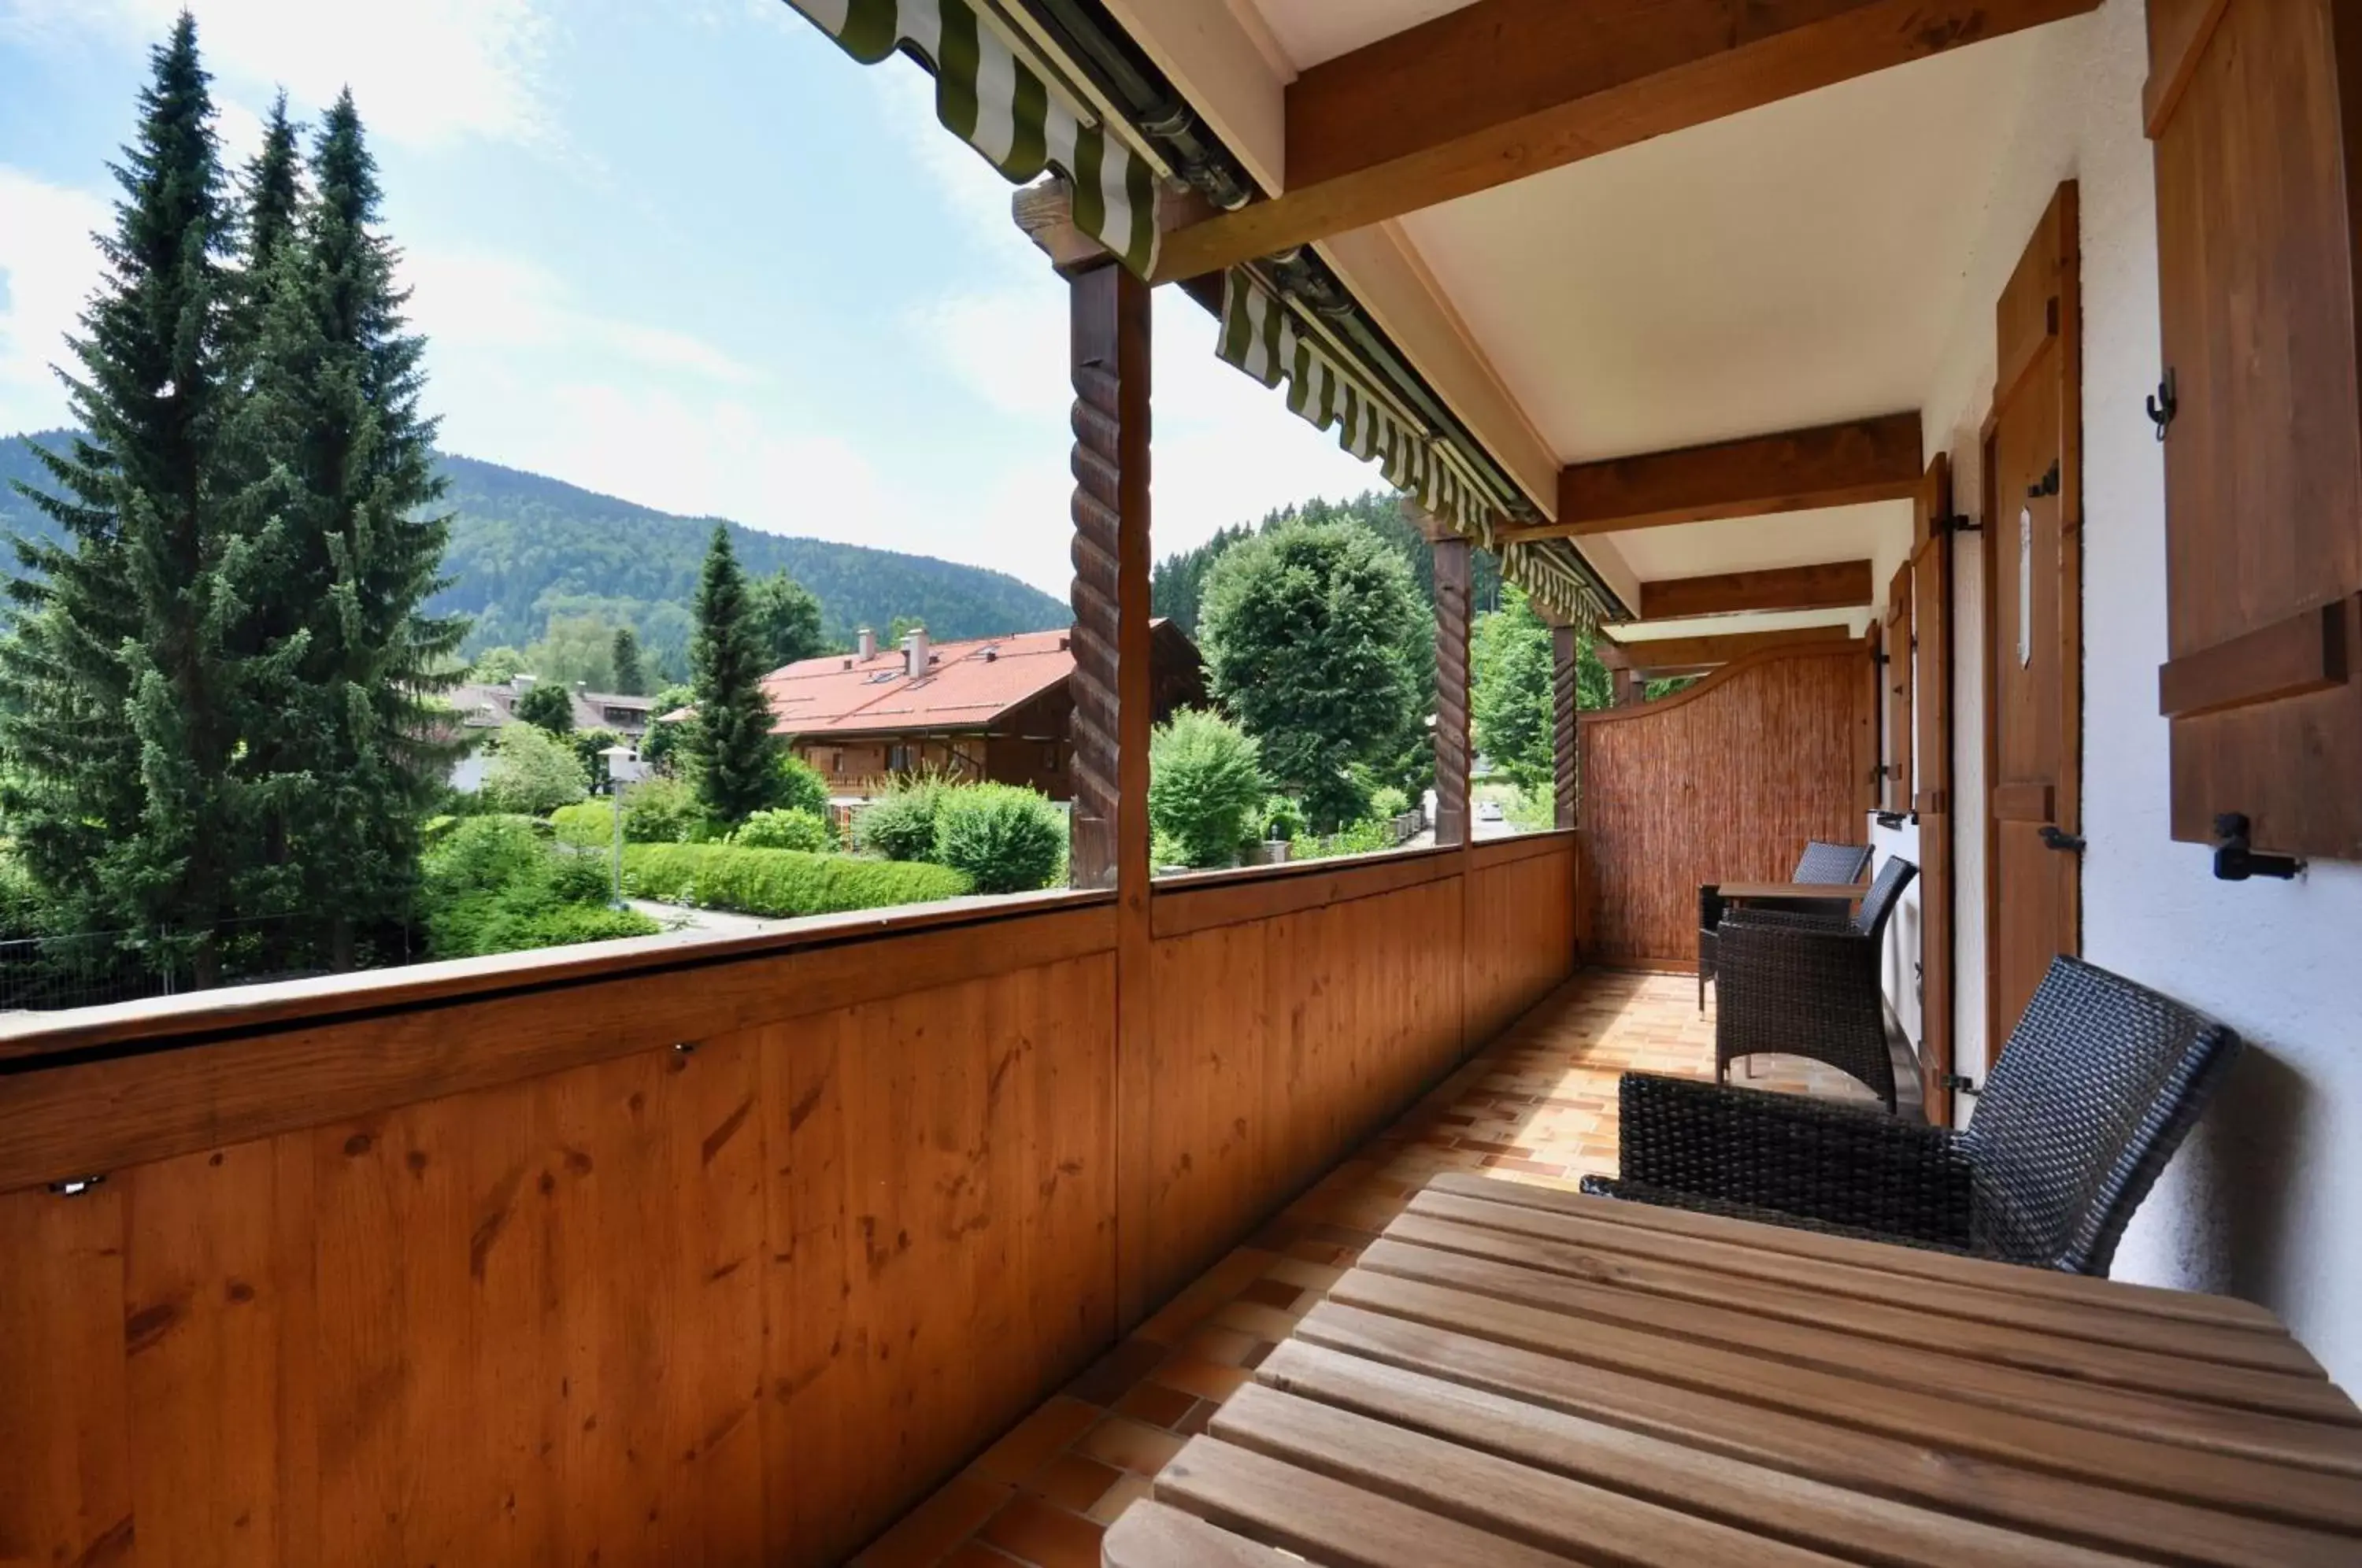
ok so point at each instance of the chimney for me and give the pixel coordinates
(520, 684)
(866, 641)
(914, 652)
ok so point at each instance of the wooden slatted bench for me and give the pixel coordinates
(1515, 1374)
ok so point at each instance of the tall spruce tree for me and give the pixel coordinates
(732, 751)
(121, 686)
(631, 679)
(272, 196)
(354, 749)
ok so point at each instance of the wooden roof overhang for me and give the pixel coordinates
(1365, 137)
(1416, 186)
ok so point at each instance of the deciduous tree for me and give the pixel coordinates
(1315, 636)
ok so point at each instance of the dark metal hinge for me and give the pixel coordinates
(2234, 861)
(2046, 485)
(1957, 523)
(74, 1187)
(2054, 837)
(1960, 1081)
(2165, 404)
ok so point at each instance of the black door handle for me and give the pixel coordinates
(2052, 838)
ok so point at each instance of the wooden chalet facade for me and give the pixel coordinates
(991, 709)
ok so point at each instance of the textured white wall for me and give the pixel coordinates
(2266, 1199)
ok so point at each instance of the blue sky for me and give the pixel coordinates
(682, 251)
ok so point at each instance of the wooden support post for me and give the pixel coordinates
(1452, 588)
(1564, 759)
(1113, 699)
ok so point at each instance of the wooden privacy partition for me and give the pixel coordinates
(1723, 782)
(667, 1251)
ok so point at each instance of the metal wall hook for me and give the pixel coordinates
(2235, 862)
(2164, 405)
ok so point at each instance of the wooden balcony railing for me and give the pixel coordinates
(683, 1251)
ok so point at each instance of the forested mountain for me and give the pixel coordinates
(526, 548)
(1177, 582)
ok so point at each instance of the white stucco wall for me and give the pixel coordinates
(2266, 1199)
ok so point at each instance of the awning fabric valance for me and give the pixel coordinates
(1260, 334)
(999, 106)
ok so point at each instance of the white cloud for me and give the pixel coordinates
(437, 73)
(465, 300)
(47, 266)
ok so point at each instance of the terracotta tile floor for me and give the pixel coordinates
(1537, 1105)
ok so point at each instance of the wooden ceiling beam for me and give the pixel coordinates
(1825, 585)
(1795, 470)
(1656, 657)
(1503, 89)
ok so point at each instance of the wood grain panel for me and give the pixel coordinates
(1723, 782)
(605, 1293)
(714, 1307)
(1520, 928)
(1282, 1043)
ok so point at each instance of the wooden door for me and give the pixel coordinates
(1931, 622)
(2034, 633)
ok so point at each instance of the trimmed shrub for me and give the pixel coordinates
(780, 884)
(587, 824)
(1387, 803)
(800, 787)
(581, 879)
(1005, 838)
(497, 885)
(1283, 818)
(900, 823)
(1205, 782)
(786, 829)
(483, 855)
(663, 811)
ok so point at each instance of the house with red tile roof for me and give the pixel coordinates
(994, 708)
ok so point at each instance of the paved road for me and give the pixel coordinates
(680, 917)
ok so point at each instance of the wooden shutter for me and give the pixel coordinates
(1931, 624)
(1895, 793)
(2253, 105)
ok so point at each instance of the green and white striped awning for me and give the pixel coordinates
(1000, 106)
(1262, 336)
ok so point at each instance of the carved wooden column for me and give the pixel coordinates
(1112, 687)
(1452, 585)
(1565, 761)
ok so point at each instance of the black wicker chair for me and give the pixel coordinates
(1832, 862)
(2096, 1089)
(1807, 985)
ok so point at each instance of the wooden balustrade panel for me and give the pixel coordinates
(1281, 1043)
(1723, 782)
(1522, 895)
(739, 1304)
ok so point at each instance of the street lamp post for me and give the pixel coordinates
(624, 766)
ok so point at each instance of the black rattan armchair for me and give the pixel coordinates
(1806, 985)
(2096, 1089)
(1832, 862)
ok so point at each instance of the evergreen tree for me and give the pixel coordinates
(629, 678)
(350, 553)
(786, 620)
(273, 194)
(122, 683)
(732, 753)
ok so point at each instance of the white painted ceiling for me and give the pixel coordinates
(1793, 265)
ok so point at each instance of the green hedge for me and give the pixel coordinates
(780, 884)
(786, 828)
